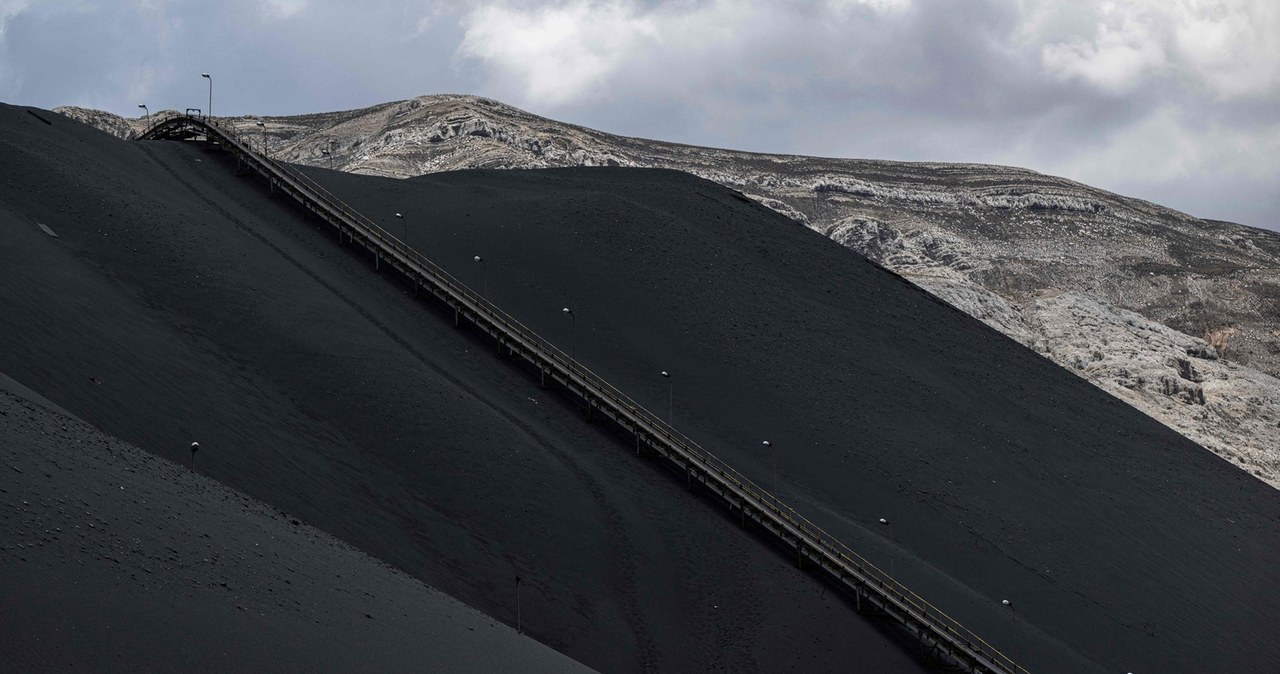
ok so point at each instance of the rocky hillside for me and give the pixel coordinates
(1178, 316)
(126, 129)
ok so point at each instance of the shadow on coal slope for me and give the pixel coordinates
(1004, 475)
(116, 560)
(181, 302)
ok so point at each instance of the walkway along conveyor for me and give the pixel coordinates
(941, 638)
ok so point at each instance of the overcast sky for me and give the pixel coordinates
(1174, 101)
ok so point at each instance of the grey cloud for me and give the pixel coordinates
(941, 81)
(922, 80)
(328, 55)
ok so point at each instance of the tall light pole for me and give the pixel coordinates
(144, 109)
(209, 112)
(893, 552)
(484, 277)
(195, 447)
(768, 444)
(329, 153)
(1014, 619)
(405, 228)
(263, 128)
(670, 396)
(573, 334)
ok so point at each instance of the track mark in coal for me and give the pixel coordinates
(619, 551)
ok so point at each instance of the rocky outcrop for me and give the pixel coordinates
(1121, 291)
(1231, 409)
(112, 124)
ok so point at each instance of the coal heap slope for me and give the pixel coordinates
(1118, 541)
(116, 560)
(181, 301)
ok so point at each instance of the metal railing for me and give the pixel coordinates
(822, 546)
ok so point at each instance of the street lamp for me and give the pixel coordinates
(403, 222)
(195, 447)
(573, 334)
(329, 153)
(670, 395)
(893, 552)
(263, 128)
(484, 276)
(144, 109)
(1012, 612)
(766, 443)
(209, 113)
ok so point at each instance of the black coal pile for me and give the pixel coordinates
(182, 301)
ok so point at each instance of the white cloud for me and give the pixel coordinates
(556, 54)
(10, 9)
(423, 24)
(1122, 52)
(1232, 47)
(874, 5)
(1158, 147)
(1208, 169)
(575, 52)
(142, 81)
(277, 10)
(1228, 47)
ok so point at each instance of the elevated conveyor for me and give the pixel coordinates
(941, 637)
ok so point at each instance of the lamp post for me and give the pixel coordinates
(209, 111)
(670, 396)
(263, 128)
(1013, 612)
(329, 153)
(518, 630)
(145, 110)
(573, 334)
(405, 227)
(892, 546)
(484, 276)
(768, 444)
(195, 447)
